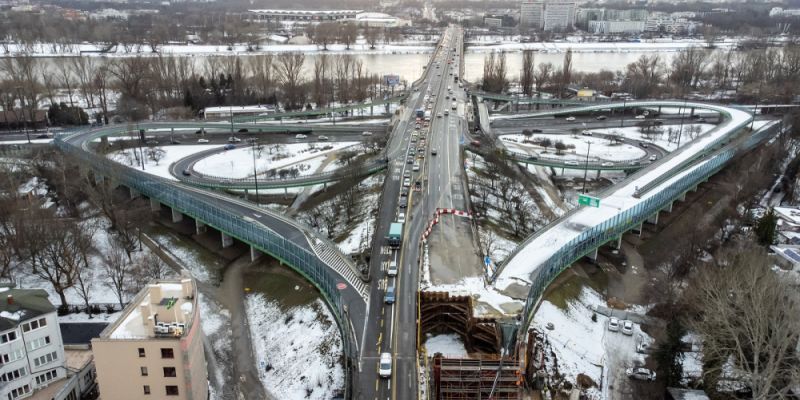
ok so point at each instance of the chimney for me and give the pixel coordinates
(155, 294)
(10, 299)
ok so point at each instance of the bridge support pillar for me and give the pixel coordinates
(638, 230)
(562, 171)
(155, 206)
(618, 244)
(104, 141)
(134, 193)
(176, 216)
(244, 196)
(285, 192)
(691, 112)
(668, 208)
(255, 254)
(227, 241)
(592, 255)
(199, 227)
(682, 197)
(653, 219)
(598, 174)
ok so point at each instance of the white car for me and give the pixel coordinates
(613, 324)
(570, 118)
(653, 157)
(401, 217)
(385, 365)
(300, 136)
(202, 140)
(234, 139)
(573, 163)
(391, 270)
(627, 327)
(323, 138)
(607, 164)
(406, 182)
(586, 133)
(366, 133)
(641, 116)
(642, 374)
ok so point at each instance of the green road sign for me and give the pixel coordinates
(590, 201)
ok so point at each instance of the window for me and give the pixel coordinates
(18, 392)
(167, 353)
(45, 359)
(146, 389)
(141, 352)
(172, 390)
(12, 375)
(38, 343)
(8, 337)
(36, 324)
(11, 357)
(46, 377)
(169, 372)
(143, 370)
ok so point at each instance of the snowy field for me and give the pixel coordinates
(171, 155)
(298, 350)
(666, 139)
(238, 163)
(448, 344)
(601, 148)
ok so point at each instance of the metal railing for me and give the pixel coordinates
(206, 209)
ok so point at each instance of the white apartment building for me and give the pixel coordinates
(607, 27)
(548, 15)
(31, 350)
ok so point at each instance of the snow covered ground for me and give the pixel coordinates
(601, 148)
(171, 155)
(298, 349)
(448, 344)
(238, 163)
(666, 139)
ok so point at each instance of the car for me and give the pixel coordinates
(385, 365)
(403, 191)
(418, 185)
(533, 158)
(439, 115)
(410, 160)
(601, 118)
(366, 133)
(641, 116)
(701, 120)
(627, 327)
(202, 140)
(573, 163)
(413, 139)
(643, 348)
(43, 135)
(447, 97)
(534, 130)
(416, 167)
(642, 374)
(152, 142)
(570, 118)
(643, 145)
(613, 324)
(391, 270)
(653, 157)
(243, 130)
(634, 162)
(300, 136)
(186, 172)
(199, 132)
(407, 174)
(229, 146)
(434, 152)
(607, 164)
(446, 112)
(406, 182)
(234, 139)
(403, 202)
(401, 217)
(586, 132)
(323, 138)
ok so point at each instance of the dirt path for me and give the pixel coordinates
(232, 295)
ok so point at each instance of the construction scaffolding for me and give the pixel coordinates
(442, 313)
(484, 377)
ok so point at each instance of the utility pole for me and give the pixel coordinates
(255, 170)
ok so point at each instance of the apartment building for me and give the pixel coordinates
(31, 351)
(155, 349)
(531, 14)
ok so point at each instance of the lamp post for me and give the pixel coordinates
(586, 166)
(230, 110)
(622, 119)
(680, 127)
(255, 170)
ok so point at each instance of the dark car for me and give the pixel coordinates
(403, 202)
(243, 130)
(186, 172)
(229, 146)
(601, 117)
(536, 130)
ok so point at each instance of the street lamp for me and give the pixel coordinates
(255, 171)
(682, 111)
(622, 119)
(586, 166)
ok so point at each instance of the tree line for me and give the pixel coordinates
(766, 73)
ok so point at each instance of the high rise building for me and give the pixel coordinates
(548, 15)
(155, 349)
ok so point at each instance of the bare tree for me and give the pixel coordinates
(290, 69)
(542, 76)
(348, 33)
(526, 79)
(566, 73)
(118, 270)
(749, 318)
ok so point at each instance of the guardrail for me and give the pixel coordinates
(206, 180)
(303, 261)
(612, 228)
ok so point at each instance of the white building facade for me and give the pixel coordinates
(548, 15)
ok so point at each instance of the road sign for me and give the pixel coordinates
(487, 260)
(391, 80)
(590, 201)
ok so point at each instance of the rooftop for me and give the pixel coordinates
(77, 333)
(163, 309)
(21, 305)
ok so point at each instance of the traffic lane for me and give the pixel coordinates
(550, 119)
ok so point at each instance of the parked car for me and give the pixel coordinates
(229, 146)
(627, 327)
(202, 140)
(385, 365)
(406, 174)
(234, 139)
(300, 136)
(613, 324)
(174, 141)
(439, 115)
(642, 374)
(152, 142)
(403, 202)
(388, 298)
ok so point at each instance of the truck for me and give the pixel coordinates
(420, 112)
(427, 115)
(395, 234)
